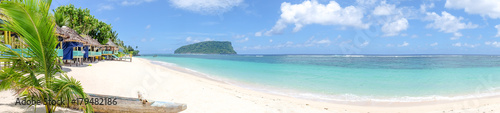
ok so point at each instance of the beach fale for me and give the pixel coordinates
(110, 49)
(92, 49)
(72, 46)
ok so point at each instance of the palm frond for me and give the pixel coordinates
(61, 19)
(9, 78)
(33, 22)
(69, 88)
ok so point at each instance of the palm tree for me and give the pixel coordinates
(61, 19)
(39, 77)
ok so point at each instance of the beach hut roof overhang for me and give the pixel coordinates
(110, 43)
(60, 32)
(73, 36)
(91, 41)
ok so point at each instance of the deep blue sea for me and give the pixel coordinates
(390, 78)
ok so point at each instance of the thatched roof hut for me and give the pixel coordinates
(60, 32)
(110, 43)
(91, 41)
(73, 36)
(110, 46)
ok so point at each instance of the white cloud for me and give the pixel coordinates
(366, 2)
(448, 23)
(239, 36)
(428, 34)
(270, 40)
(498, 30)
(394, 21)
(148, 26)
(243, 40)
(135, 2)
(311, 42)
(206, 6)
(364, 44)
(393, 28)
(312, 12)
(324, 41)
(404, 44)
(470, 45)
(489, 8)
(434, 44)
(205, 34)
(456, 36)
(465, 45)
(414, 36)
(384, 9)
(191, 40)
(257, 34)
(208, 39)
(494, 43)
(105, 7)
(146, 40)
(389, 45)
(424, 7)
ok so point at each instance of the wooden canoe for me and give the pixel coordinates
(134, 105)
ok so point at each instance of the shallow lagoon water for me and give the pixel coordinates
(406, 78)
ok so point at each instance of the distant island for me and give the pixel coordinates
(207, 47)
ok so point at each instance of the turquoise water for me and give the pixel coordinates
(352, 77)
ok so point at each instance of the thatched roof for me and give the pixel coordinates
(91, 41)
(110, 43)
(73, 35)
(60, 32)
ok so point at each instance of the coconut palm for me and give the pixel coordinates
(37, 77)
(61, 19)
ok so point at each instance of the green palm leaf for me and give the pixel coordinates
(31, 20)
(35, 77)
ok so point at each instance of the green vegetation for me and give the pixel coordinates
(130, 50)
(78, 19)
(84, 23)
(39, 78)
(207, 47)
(102, 33)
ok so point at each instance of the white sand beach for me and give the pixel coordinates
(203, 95)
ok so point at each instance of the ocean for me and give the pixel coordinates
(358, 78)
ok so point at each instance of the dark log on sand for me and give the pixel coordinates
(133, 105)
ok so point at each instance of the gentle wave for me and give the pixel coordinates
(325, 97)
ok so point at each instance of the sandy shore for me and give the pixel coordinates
(203, 95)
(7, 100)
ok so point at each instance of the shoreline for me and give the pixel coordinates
(412, 100)
(160, 83)
(473, 102)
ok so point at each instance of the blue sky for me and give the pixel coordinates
(305, 26)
